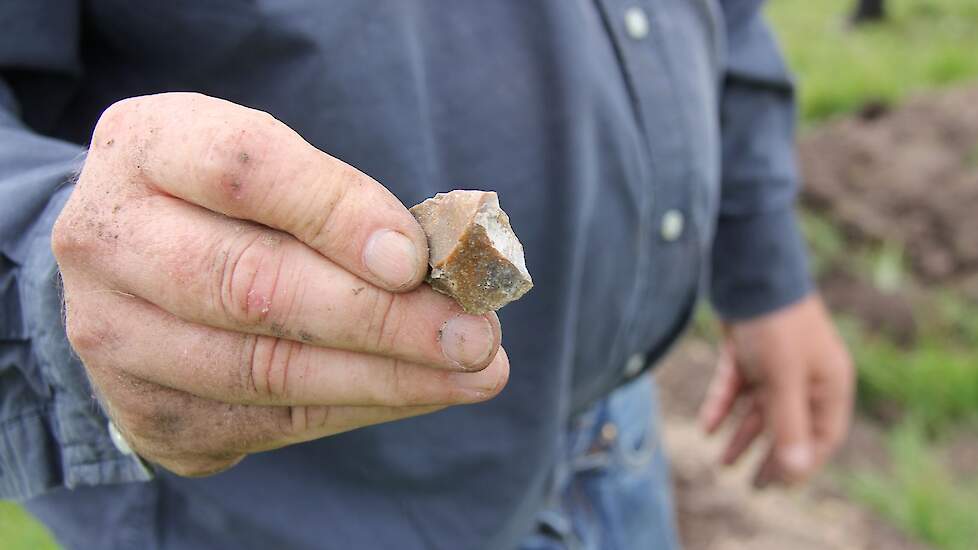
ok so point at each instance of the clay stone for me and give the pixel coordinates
(474, 255)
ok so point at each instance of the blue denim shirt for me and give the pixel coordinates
(642, 148)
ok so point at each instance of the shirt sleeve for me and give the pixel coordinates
(52, 431)
(759, 258)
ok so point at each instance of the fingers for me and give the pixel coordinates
(800, 376)
(751, 426)
(245, 164)
(724, 388)
(788, 415)
(832, 398)
(209, 270)
(246, 369)
(192, 436)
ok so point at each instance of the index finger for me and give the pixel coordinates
(246, 164)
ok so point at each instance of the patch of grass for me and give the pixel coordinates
(936, 381)
(20, 531)
(958, 317)
(923, 44)
(918, 494)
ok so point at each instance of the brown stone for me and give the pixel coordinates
(474, 255)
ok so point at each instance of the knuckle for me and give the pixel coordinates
(87, 334)
(234, 158)
(82, 339)
(250, 286)
(63, 239)
(74, 235)
(303, 420)
(396, 391)
(382, 321)
(115, 118)
(272, 367)
(325, 229)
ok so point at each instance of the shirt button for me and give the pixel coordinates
(672, 225)
(636, 23)
(634, 365)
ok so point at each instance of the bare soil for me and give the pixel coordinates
(907, 176)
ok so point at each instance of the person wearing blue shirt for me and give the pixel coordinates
(214, 332)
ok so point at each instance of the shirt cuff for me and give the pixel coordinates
(31, 440)
(64, 441)
(760, 264)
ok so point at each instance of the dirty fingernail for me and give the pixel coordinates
(392, 257)
(466, 340)
(797, 459)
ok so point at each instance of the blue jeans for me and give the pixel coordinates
(612, 488)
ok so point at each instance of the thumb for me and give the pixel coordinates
(789, 418)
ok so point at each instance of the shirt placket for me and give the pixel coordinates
(638, 31)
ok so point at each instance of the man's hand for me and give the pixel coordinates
(795, 379)
(231, 289)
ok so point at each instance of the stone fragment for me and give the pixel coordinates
(474, 255)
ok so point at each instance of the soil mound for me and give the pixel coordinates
(906, 175)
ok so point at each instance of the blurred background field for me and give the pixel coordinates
(889, 155)
(911, 165)
(923, 44)
(889, 150)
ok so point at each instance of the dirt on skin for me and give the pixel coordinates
(906, 175)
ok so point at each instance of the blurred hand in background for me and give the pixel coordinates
(794, 378)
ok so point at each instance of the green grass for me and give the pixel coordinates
(20, 531)
(936, 381)
(918, 493)
(924, 44)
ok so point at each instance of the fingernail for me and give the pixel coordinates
(392, 257)
(797, 459)
(466, 340)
